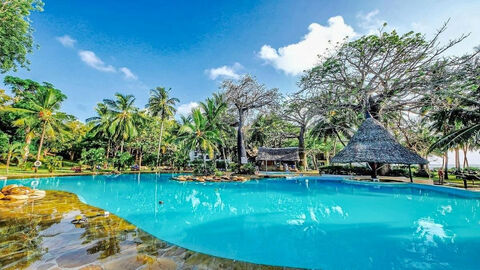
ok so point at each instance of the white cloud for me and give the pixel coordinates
(128, 74)
(293, 59)
(225, 72)
(93, 61)
(369, 22)
(186, 109)
(67, 41)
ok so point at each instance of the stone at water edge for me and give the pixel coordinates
(19, 191)
(16, 197)
(37, 194)
(6, 188)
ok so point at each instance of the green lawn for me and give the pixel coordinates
(18, 172)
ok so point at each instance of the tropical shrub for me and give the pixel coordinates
(248, 168)
(53, 163)
(93, 157)
(123, 160)
(345, 170)
(3, 142)
(203, 168)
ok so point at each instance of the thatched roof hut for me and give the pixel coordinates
(278, 154)
(372, 143)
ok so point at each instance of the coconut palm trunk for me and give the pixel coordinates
(9, 157)
(465, 160)
(445, 157)
(28, 141)
(224, 158)
(159, 143)
(42, 137)
(457, 158)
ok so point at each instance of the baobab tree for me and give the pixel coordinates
(384, 73)
(300, 112)
(245, 95)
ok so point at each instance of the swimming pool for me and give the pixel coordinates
(307, 222)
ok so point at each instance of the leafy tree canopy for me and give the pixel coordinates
(16, 39)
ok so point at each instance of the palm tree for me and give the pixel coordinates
(44, 105)
(214, 110)
(162, 106)
(258, 131)
(101, 123)
(29, 123)
(468, 115)
(198, 135)
(14, 151)
(125, 118)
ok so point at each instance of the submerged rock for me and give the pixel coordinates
(41, 236)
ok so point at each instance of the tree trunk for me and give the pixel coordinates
(301, 148)
(159, 142)
(465, 160)
(42, 137)
(8, 161)
(327, 157)
(121, 147)
(373, 165)
(39, 151)
(28, 141)
(242, 153)
(446, 165)
(140, 159)
(457, 158)
(335, 146)
(339, 138)
(108, 150)
(374, 108)
(224, 158)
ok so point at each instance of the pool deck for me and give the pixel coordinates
(40, 235)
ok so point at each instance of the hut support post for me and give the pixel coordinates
(266, 162)
(410, 172)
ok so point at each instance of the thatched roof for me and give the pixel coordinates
(278, 154)
(373, 143)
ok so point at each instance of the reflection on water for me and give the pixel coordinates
(40, 235)
(294, 222)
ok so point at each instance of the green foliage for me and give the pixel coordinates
(123, 160)
(203, 168)
(53, 163)
(160, 104)
(199, 135)
(93, 157)
(248, 168)
(4, 141)
(345, 170)
(16, 39)
(27, 165)
(125, 117)
(355, 170)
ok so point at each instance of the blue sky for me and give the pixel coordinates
(92, 49)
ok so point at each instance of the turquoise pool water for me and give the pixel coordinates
(300, 222)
